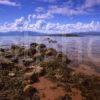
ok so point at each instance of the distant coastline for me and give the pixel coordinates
(30, 33)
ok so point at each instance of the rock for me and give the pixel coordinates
(32, 51)
(25, 82)
(33, 45)
(29, 90)
(51, 52)
(8, 55)
(5, 63)
(66, 97)
(38, 57)
(31, 76)
(60, 54)
(41, 47)
(14, 59)
(33, 73)
(11, 74)
(2, 50)
(27, 61)
(38, 70)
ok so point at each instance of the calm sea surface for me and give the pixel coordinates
(81, 50)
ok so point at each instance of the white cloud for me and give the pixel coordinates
(8, 3)
(90, 3)
(50, 1)
(23, 24)
(40, 16)
(65, 10)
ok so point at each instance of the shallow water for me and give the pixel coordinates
(81, 50)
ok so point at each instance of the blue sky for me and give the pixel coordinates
(61, 16)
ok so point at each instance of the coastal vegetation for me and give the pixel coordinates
(21, 68)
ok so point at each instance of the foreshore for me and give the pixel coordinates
(41, 73)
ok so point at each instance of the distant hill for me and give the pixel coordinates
(30, 33)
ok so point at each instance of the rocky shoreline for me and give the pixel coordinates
(41, 73)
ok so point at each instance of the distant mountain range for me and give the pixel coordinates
(30, 33)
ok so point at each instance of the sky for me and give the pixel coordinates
(50, 16)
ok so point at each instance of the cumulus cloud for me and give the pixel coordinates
(65, 10)
(40, 16)
(8, 3)
(23, 24)
(85, 8)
